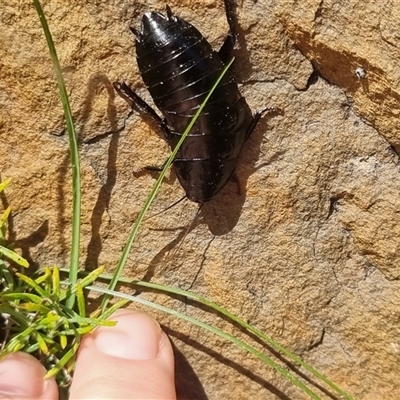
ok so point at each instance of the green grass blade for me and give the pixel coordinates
(245, 325)
(217, 332)
(268, 340)
(154, 191)
(73, 148)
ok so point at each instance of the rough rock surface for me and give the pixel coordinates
(308, 251)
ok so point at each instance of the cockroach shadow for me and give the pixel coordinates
(95, 84)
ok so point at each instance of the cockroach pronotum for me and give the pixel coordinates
(179, 67)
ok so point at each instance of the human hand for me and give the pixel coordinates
(132, 360)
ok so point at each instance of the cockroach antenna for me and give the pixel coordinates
(166, 209)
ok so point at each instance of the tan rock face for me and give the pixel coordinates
(308, 251)
(345, 39)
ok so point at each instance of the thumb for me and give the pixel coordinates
(133, 359)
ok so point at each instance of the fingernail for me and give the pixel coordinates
(21, 377)
(136, 336)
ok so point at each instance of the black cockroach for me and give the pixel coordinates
(179, 67)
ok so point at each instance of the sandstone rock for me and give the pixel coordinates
(308, 251)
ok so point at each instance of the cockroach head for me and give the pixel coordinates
(153, 23)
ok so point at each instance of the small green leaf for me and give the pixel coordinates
(63, 341)
(13, 256)
(32, 349)
(34, 285)
(107, 313)
(6, 277)
(56, 282)
(51, 320)
(18, 317)
(89, 279)
(21, 297)
(34, 307)
(43, 277)
(91, 321)
(4, 217)
(80, 298)
(64, 360)
(78, 331)
(17, 346)
(4, 184)
(42, 343)
(19, 341)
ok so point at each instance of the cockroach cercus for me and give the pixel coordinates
(179, 67)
